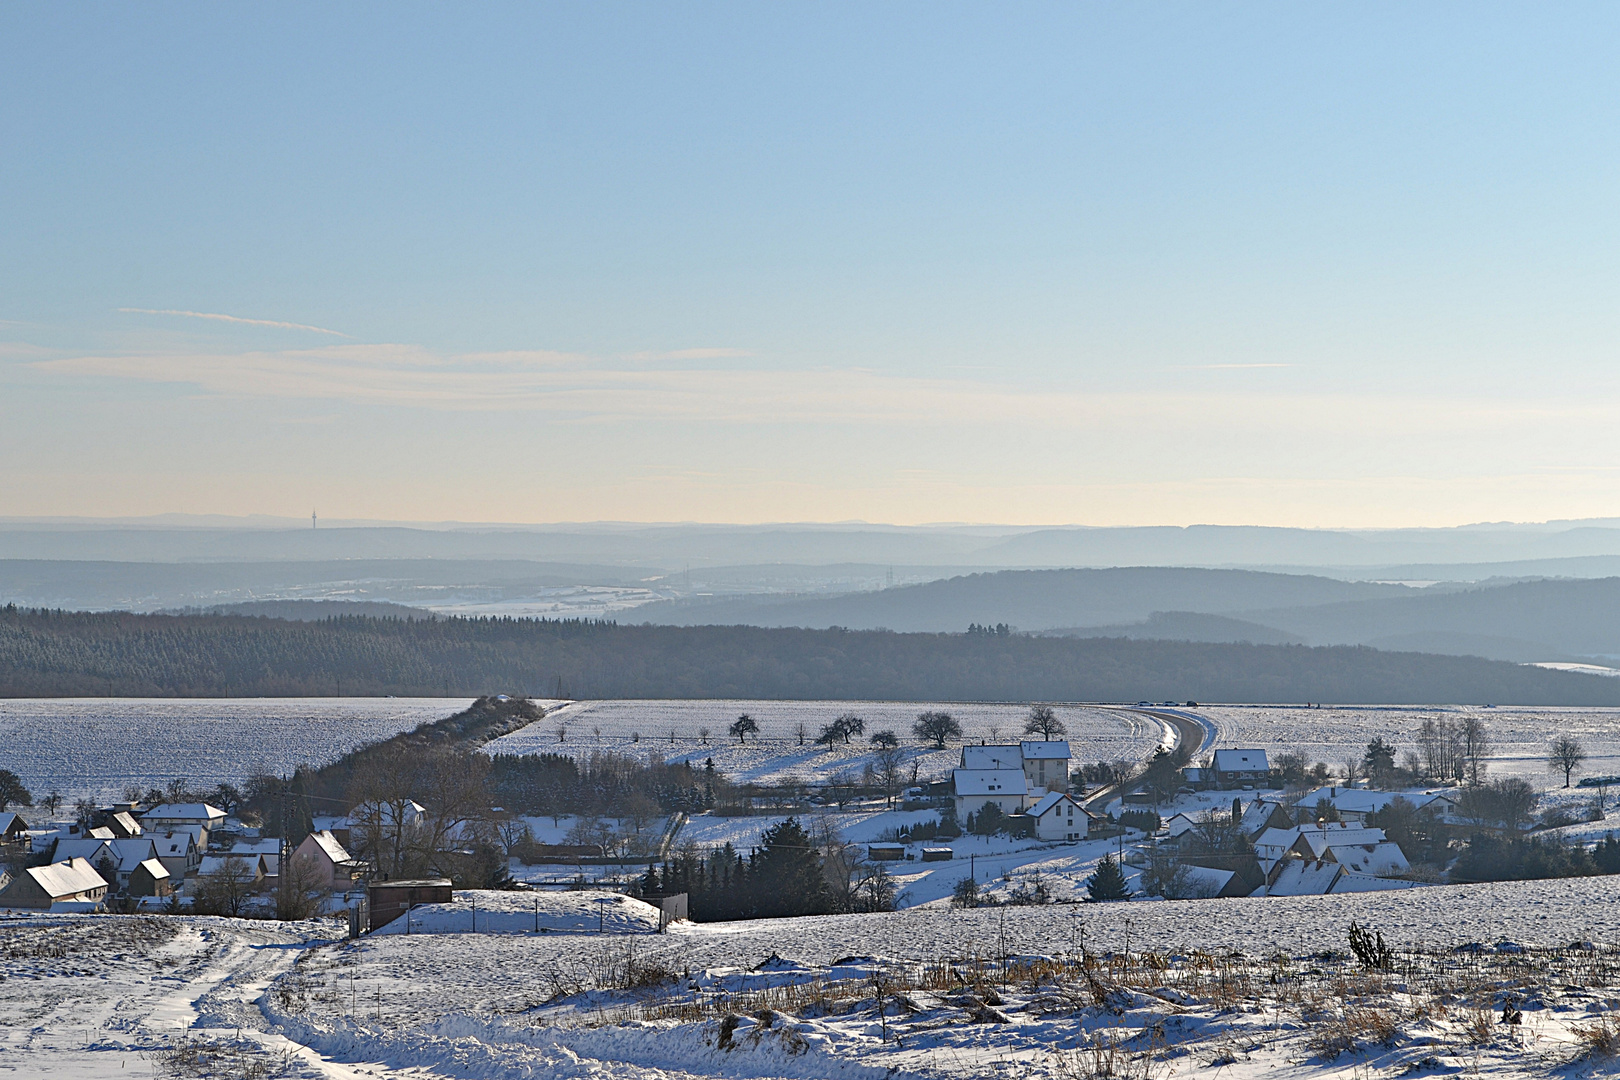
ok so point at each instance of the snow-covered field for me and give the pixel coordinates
(672, 730)
(1232, 988)
(1519, 735)
(96, 747)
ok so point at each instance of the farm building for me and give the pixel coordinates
(388, 900)
(1241, 768)
(61, 886)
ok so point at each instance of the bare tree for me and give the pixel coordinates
(1476, 746)
(1043, 722)
(884, 740)
(937, 728)
(299, 892)
(12, 791)
(225, 891)
(800, 732)
(1565, 755)
(746, 725)
(888, 763)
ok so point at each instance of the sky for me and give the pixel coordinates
(1091, 263)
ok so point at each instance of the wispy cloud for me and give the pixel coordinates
(692, 354)
(1230, 367)
(572, 387)
(233, 319)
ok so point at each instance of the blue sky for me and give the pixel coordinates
(1101, 264)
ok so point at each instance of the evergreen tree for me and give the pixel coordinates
(1108, 882)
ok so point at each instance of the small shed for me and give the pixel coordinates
(937, 854)
(150, 878)
(388, 900)
(12, 828)
(885, 852)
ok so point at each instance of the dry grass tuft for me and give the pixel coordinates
(1601, 1038)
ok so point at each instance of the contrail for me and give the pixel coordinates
(234, 319)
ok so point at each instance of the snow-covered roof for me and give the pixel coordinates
(1207, 879)
(9, 821)
(125, 823)
(270, 846)
(67, 878)
(1257, 814)
(993, 757)
(1181, 823)
(329, 846)
(1364, 801)
(1378, 859)
(1052, 799)
(1337, 834)
(155, 868)
(131, 851)
(90, 849)
(1274, 843)
(1304, 877)
(1036, 750)
(1352, 882)
(175, 844)
(198, 812)
(1241, 761)
(988, 781)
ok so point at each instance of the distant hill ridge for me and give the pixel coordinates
(56, 654)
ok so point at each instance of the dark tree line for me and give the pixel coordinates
(67, 654)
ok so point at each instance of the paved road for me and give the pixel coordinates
(1189, 734)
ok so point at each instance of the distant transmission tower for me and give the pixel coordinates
(312, 519)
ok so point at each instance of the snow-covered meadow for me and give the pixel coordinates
(1239, 988)
(673, 730)
(96, 747)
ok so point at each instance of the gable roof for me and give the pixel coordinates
(1315, 840)
(175, 844)
(155, 868)
(1035, 750)
(989, 781)
(1050, 800)
(68, 878)
(90, 849)
(131, 851)
(328, 846)
(1303, 877)
(996, 756)
(10, 822)
(1241, 761)
(1376, 859)
(122, 823)
(201, 813)
(1366, 801)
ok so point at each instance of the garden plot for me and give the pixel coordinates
(672, 730)
(97, 747)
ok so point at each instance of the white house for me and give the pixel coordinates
(1058, 817)
(977, 788)
(1046, 764)
(63, 886)
(1240, 768)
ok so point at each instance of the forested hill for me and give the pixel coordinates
(50, 654)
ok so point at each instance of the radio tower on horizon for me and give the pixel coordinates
(312, 519)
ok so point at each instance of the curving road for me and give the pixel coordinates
(1190, 734)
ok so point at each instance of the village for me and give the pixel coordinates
(1233, 826)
